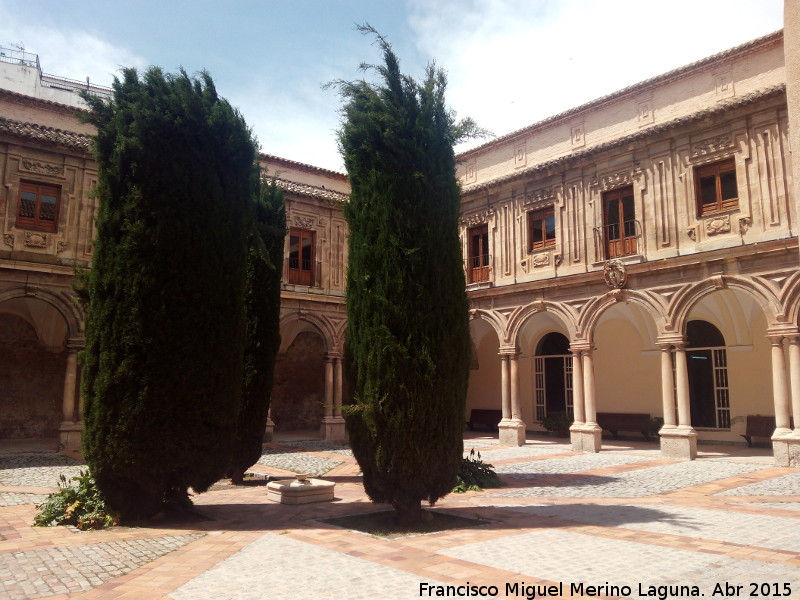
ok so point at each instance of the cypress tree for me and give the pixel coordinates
(408, 344)
(162, 377)
(262, 314)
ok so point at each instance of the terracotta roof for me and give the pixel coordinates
(41, 133)
(299, 165)
(742, 49)
(685, 120)
(312, 191)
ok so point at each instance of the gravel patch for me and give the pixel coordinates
(13, 499)
(298, 462)
(322, 446)
(786, 485)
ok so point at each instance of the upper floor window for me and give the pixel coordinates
(38, 206)
(541, 229)
(301, 256)
(478, 254)
(619, 217)
(716, 187)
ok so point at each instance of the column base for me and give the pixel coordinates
(678, 443)
(586, 437)
(786, 448)
(269, 430)
(69, 439)
(333, 429)
(511, 432)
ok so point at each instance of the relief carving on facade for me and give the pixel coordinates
(644, 110)
(304, 222)
(719, 224)
(618, 179)
(540, 260)
(692, 233)
(520, 156)
(42, 168)
(744, 224)
(557, 259)
(577, 136)
(471, 172)
(615, 274)
(8, 239)
(61, 246)
(536, 196)
(35, 240)
(712, 145)
(477, 218)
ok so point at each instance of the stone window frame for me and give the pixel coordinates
(716, 169)
(541, 215)
(37, 220)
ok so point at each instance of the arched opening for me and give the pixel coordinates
(483, 391)
(707, 366)
(552, 376)
(298, 393)
(31, 376)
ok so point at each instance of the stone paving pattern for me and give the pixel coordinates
(730, 516)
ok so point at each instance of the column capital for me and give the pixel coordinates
(581, 346)
(75, 344)
(510, 351)
(666, 341)
(333, 355)
(781, 331)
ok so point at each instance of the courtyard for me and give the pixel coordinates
(621, 523)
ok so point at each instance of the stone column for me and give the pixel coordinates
(785, 446)
(333, 427)
(69, 431)
(511, 427)
(668, 388)
(794, 378)
(585, 434)
(576, 433)
(269, 432)
(681, 441)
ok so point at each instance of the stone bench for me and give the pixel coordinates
(484, 416)
(616, 422)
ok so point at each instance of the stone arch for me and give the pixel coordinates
(62, 302)
(790, 299)
(682, 303)
(522, 315)
(497, 321)
(591, 313)
(294, 323)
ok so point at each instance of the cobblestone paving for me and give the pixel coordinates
(644, 482)
(40, 469)
(778, 533)
(322, 446)
(781, 505)
(568, 464)
(788, 485)
(273, 556)
(596, 561)
(520, 452)
(40, 573)
(13, 499)
(298, 462)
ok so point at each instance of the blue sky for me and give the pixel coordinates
(510, 62)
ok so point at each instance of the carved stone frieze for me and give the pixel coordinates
(42, 168)
(617, 179)
(477, 218)
(719, 224)
(615, 274)
(8, 239)
(712, 145)
(537, 196)
(35, 239)
(304, 222)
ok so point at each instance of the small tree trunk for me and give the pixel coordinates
(410, 513)
(237, 476)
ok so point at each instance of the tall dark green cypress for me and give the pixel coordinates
(408, 345)
(262, 313)
(165, 328)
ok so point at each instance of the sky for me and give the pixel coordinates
(510, 63)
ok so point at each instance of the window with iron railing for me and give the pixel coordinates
(619, 223)
(541, 229)
(301, 267)
(478, 255)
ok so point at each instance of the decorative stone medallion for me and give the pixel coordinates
(615, 274)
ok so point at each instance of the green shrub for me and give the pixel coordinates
(475, 475)
(81, 505)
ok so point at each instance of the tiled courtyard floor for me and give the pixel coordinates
(623, 517)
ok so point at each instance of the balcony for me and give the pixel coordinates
(618, 239)
(298, 271)
(478, 268)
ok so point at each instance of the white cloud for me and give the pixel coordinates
(75, 54)
(512, 63)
